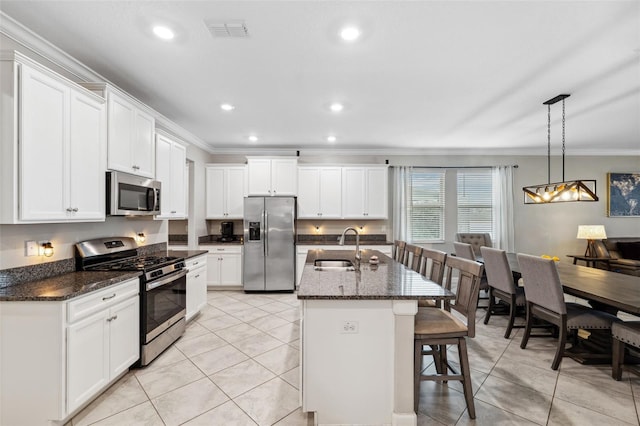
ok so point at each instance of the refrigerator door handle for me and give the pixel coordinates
(263, 232)
(266, 232)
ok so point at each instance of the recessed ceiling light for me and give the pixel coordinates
(331, 139)
(350, 33)
(336, 107)
(227, 107)
(253, 138)
(164, 33)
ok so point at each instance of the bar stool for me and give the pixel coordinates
(412, 257)
(398, 250)
(623, 333)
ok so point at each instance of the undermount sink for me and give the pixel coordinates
(333, 265)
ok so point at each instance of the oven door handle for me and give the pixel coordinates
(169, 278)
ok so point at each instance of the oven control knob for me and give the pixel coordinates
(156, 273)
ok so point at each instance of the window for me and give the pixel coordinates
(475, 201)
(426, 209)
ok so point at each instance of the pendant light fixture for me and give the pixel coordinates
(557, 192)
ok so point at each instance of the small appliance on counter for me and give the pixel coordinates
(226, 232)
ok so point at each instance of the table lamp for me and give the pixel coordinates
(591, 233)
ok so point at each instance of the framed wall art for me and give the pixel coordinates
(623, 194)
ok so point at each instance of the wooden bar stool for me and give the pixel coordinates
(623, 333)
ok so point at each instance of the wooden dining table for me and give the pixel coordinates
(605, 290)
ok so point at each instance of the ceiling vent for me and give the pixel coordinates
(226, 29)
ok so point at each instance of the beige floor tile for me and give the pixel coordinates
(268, 322)
(565, 414)
(241, 378)
(610, 403)
(275, 307)
(424, 420)
(292, 377)
(220, 323)
(170, 356)
(269, 402)
(280, 359)
(200, 344)
(297, 418)
(234, 306)
(291, 315)
(295, 344)
(597, 375)
(226, 414)
(250, 314)
(487, 414)
(159, 381)
(142, 414)
(256, 300)
(218, 359)
(258, 344)
(208, 312)
(286, 333)
(194, 329)
(526, 375)
(522, 401)
(122, 395)
(440, 402)
(238, 332)
(188, 402)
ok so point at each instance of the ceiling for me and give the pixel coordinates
(454, 76)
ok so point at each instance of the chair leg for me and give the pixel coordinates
(527, 328)
(491, 305)
(617, 358)
(562, 340)
(512, 317)
(417, 372)
(466, 376)
(437, 359)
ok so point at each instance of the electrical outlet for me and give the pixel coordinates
(30, 248)
(349, 327)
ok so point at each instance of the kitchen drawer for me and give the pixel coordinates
(223, 249)
(84, 306)
(196, 262)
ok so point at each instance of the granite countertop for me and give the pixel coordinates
(386, 281)
(209, 240)
(65, 286)
(186, 253)
(350, 239)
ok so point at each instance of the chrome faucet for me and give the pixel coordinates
(341, 242)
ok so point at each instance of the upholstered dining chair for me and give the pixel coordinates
(476, 240)
(412, 257)
(398, 250)
(501, 285)
(545, 300)
(623, 333)
(438, 328)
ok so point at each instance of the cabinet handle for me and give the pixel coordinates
(68, 209)
(112, 318)
(195, 263)
(173, 212)
(220, 249)
(75, 209)
(134, 167)
(110, 297)
(197, 276)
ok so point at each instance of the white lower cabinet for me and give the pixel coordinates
(196, 285)
(57, 356)
(224, 266)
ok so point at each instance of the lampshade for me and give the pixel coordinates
(591, 232)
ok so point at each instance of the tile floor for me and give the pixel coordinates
(238, 364)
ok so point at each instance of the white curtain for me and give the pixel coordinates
(401, 197)
(503, 208)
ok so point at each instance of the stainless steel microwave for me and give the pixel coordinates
(130, 195)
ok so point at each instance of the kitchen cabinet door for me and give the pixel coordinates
(284, 176)
(230, 269)
(364, 192)
(44, 177)
(225, 192)
(142, 148)
(121, 128)
(171, 172)
(124, 336)
(235, 192)
(215, 193)
(87, 158)
(196, 285)
(259, 170)
(330, 192)
(309, 193)
(224, 266)
(376, 192)
(87, 358)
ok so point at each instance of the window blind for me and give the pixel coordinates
(426, 210)
(475, 201)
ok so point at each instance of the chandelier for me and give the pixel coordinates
(557, 192)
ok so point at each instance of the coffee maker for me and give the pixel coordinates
(226, 232)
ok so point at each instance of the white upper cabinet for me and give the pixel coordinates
(272, 176)
(131, 147)
(171, 172)
(225, 191)
(365, 192)
(319, 192)
(53, 147)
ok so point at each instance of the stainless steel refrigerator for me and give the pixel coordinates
(269, 244)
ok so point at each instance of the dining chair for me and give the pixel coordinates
(432, 268)
(438, 328)
(398, 250)
(465, 251)
(412, 257)
(623, 333)
(476, 239)
(501, 285)
(545, 301)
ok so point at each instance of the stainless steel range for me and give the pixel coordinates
(163, 286)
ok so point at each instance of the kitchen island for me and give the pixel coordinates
(357, 338)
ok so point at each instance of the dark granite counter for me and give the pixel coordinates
(387, 280)
(63, 287)
(209, 240)
(187, 254)
(332, 240)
